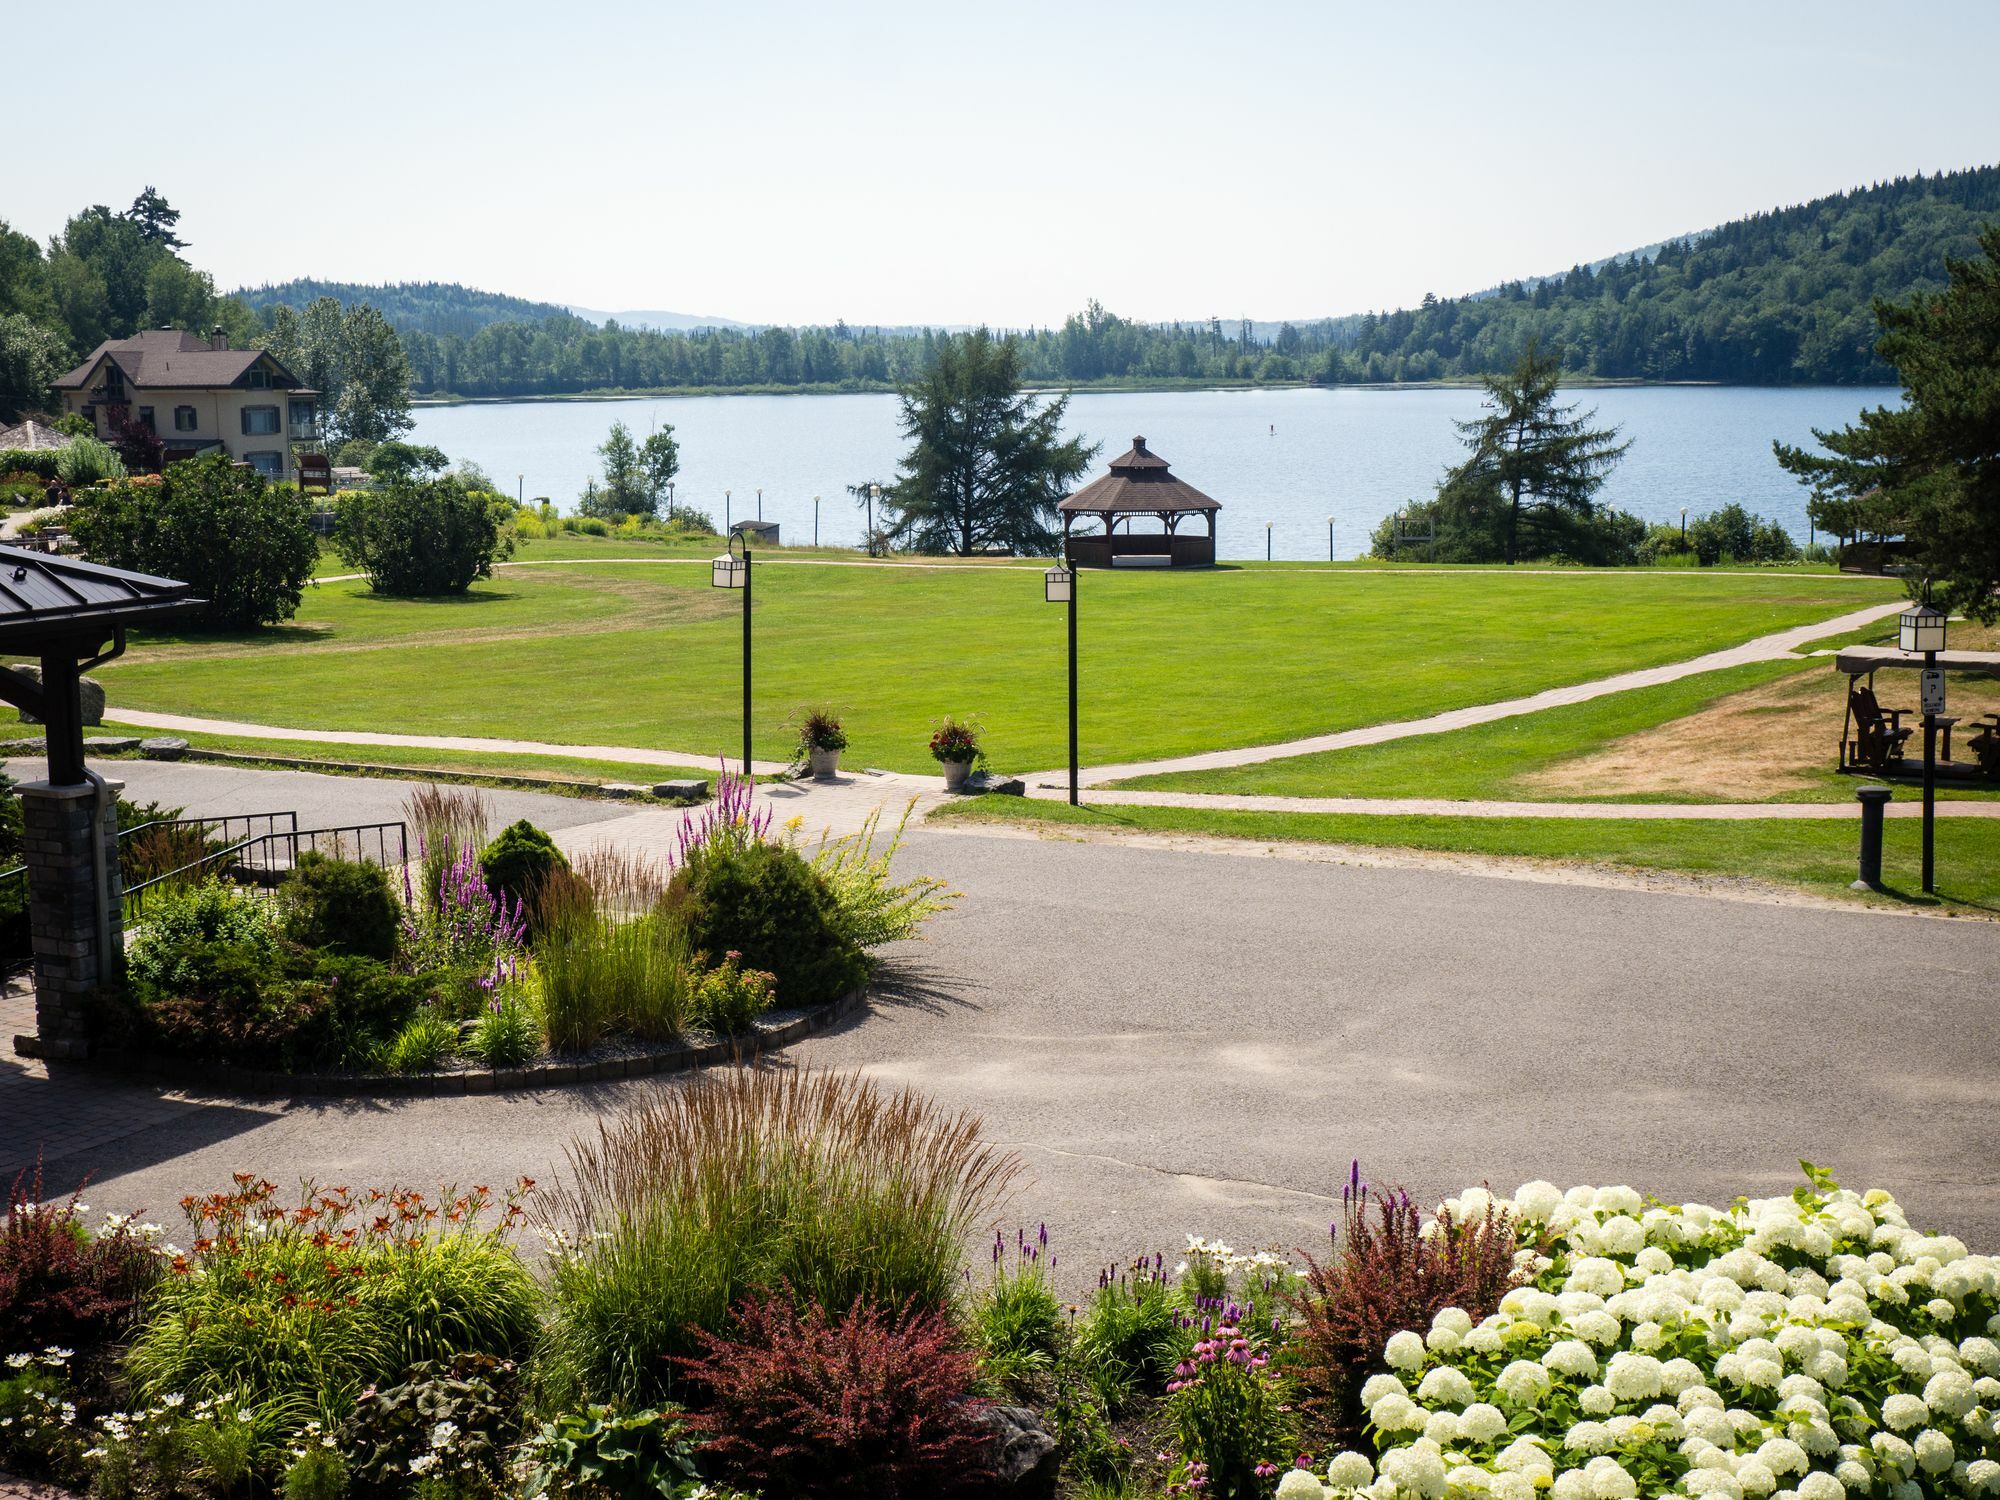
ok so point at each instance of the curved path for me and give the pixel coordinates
(1181, 1041)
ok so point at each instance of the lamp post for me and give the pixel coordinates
(670, 502)
(520, 489)
(1059, 584)
(1684, 525)
(727, 526)
(1922, 629)
(1329, 538)
(733, 572)
(1267, 541)
(874, 494)
(760, 502)
(815, 520)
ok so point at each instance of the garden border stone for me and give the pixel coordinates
(771, 1033)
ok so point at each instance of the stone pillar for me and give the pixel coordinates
(70, 967)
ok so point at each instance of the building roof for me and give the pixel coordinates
(1139, 481)
(32, 436)
(45, 597)
(169, 359)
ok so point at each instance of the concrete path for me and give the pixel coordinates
(1180, 1041)
(10, 526)
(1442, 807)
(1764, 648)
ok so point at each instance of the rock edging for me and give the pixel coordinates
(548, 1072)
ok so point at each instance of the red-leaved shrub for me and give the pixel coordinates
(1388, 1275)
(58, 1283)
(873, 1405)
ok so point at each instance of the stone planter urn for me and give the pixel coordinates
(823, 763)
(955, 773)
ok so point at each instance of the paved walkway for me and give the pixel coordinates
(1764, 648)
(1404, 807)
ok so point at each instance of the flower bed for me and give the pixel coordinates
(493, 965)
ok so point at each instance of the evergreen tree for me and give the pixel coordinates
(155, 219)
(624, 490)
(987, 465)
(1929, 470)
(1542, 459)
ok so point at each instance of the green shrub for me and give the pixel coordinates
(85, 461)
(729, 998)
(343, 905)
(345, 1290)
(632, 1455)
(765, 903)
(824, 1182)
(246, 545)
(1130, 1337)
(415, 535)
(520, 860)
(587, 525)
(870, 906)
(425, 1041)
(179, 921)
(40, 462)
(317, 1473)
(1732, 534)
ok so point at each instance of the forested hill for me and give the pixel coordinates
(433, 307)
(1778, 298)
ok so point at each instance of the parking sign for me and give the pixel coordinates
(1931, 694)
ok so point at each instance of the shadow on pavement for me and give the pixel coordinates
(144, 1145)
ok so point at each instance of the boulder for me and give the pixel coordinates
(90, 694)
(982, 783)
(621, 789)
(1022, 1454)
(111, 744)
(695, 790)
(163, 747)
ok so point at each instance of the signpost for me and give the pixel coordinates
(1931, 691)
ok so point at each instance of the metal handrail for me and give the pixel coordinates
(281, 851)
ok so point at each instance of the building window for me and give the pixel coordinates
(184, 419)
(260, 421)
(260, 379)
(270, 465)
(146, 419)
(302, 419)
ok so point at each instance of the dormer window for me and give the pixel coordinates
(260, 378)
(114, 384)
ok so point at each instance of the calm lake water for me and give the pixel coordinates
(1288, 457)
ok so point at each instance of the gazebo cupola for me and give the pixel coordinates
(1139, 484)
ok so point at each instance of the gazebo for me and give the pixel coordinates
(64, 612)
(1139, 484)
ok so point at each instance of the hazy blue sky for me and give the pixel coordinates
(890, 162)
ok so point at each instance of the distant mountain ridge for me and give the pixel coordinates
(659, 321)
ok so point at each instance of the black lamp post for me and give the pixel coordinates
(874, 494)
(1922, 629)
(1059, 584)
(1329, 538)
(1267, 541)
(815, 520)
(733, 572)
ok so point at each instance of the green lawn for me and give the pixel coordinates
(1817, 856)
(646, 653)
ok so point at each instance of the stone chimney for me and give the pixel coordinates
(217, 339)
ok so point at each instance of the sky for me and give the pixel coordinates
(948, 163)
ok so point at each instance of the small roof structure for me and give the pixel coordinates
(1139, 483)
(32, 436)
(1855, 660)
(63, 610)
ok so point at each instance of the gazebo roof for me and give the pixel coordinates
(45, 597)
(1138, 482)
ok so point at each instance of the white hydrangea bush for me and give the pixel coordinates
(1814, 1347)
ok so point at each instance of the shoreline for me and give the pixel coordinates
(1098, 387)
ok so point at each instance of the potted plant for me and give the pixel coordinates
(821, 739)
(955, 745)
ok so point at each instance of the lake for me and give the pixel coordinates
(1291, 458)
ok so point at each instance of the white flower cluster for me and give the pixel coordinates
(1805, 1348)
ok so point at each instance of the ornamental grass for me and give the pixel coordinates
(826, 1182)
(606, 957)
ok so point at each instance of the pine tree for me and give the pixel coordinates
(1542, 458)
(987, 465)
(1927, 470)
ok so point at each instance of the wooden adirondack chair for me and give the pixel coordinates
(1879, 733)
